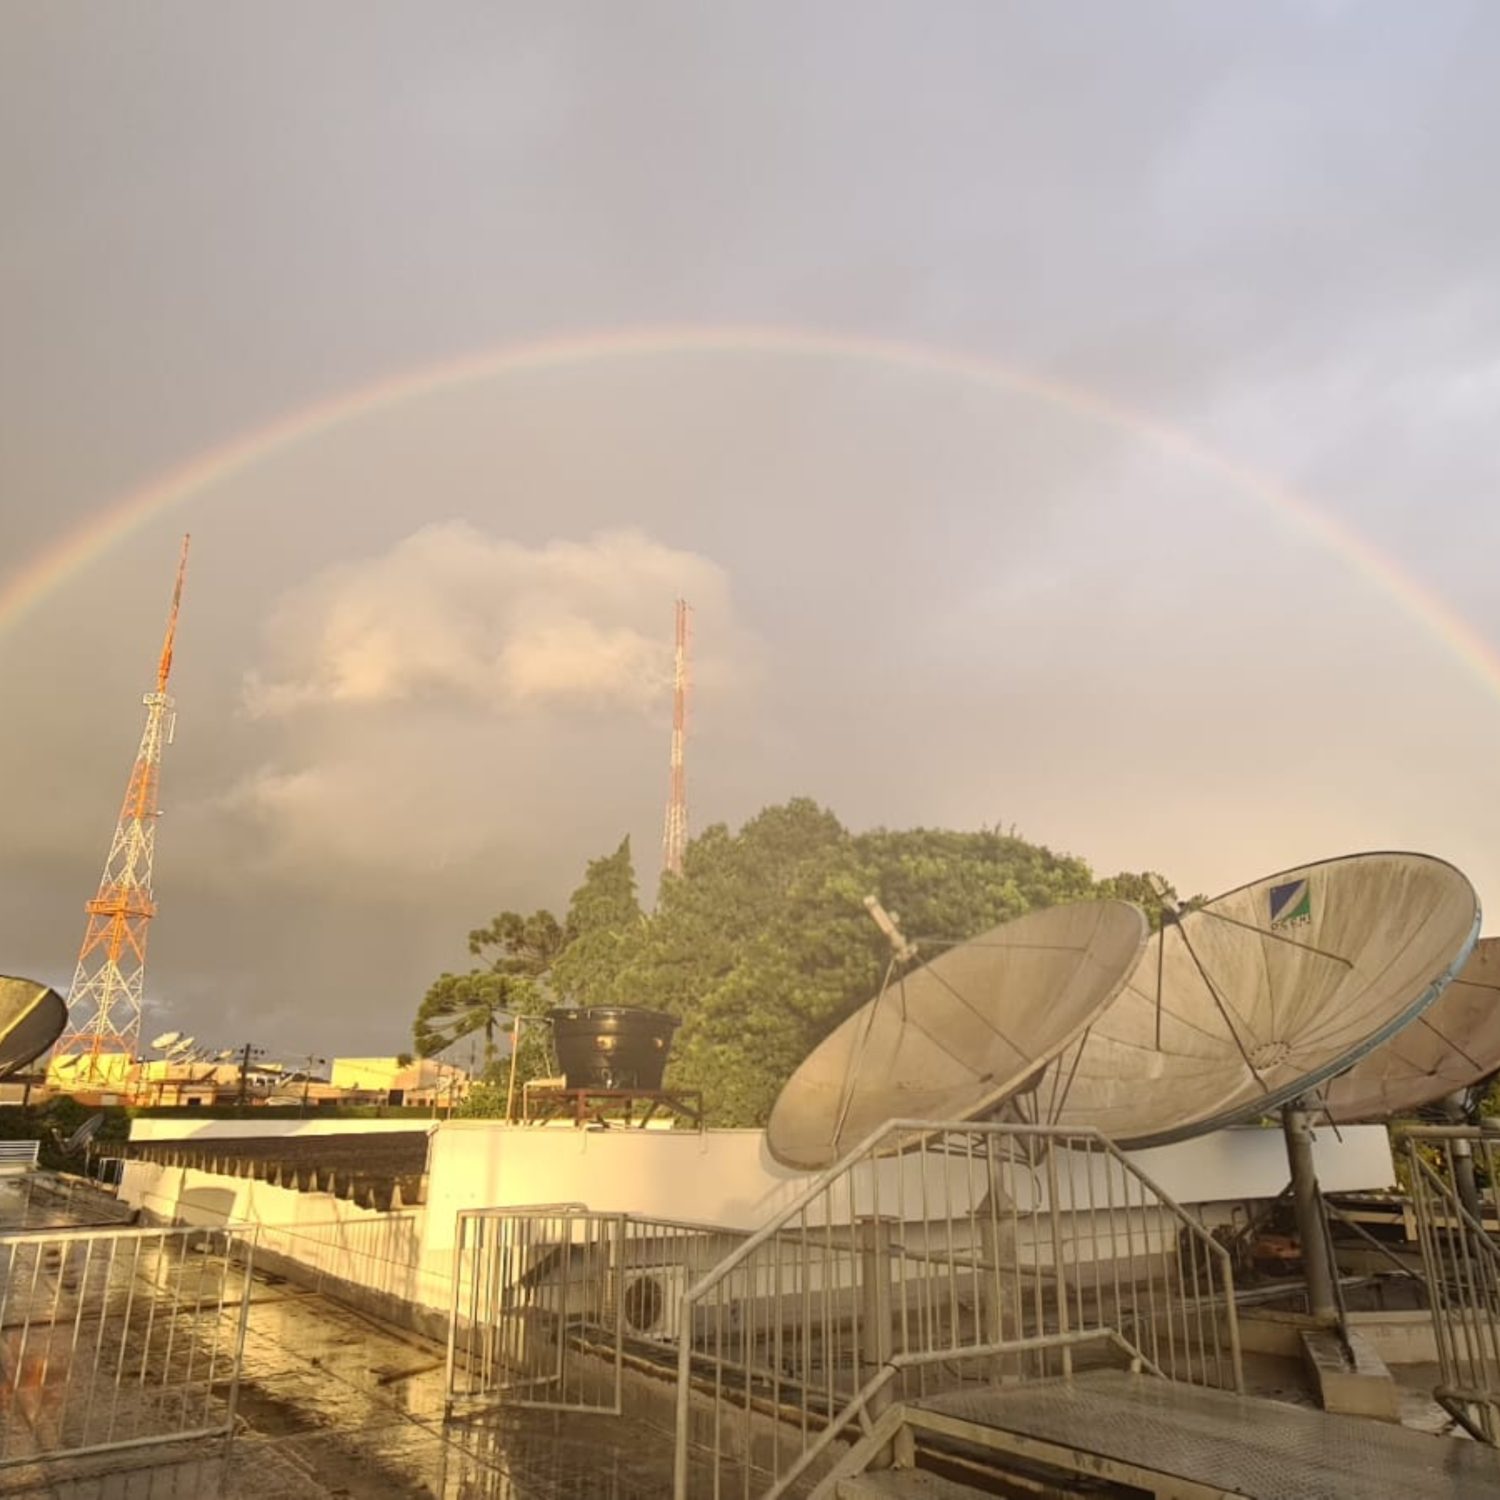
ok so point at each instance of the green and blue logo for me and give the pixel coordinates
(1291, 904)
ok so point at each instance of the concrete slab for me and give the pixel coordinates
(1351, 1378)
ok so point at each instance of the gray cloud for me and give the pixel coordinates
(423, 661)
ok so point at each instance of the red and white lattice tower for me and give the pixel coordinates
(104, 1003)
(674, 837)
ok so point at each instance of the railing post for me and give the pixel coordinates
(875, 1345)
(997, 1239)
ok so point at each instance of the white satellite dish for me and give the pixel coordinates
(225, 1055)
(165, 1040)
(1452, 1045)
(954, 1038)
(1254, 998)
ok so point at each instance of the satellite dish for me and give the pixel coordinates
(32, 1017)
(954, 1038)
(1453, 1044)
(83, 1135)
(1256, 997)
(225, 1055)
(180, 1050)
(166, 1039)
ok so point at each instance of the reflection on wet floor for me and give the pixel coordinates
(332, 1404)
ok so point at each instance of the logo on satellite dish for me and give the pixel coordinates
(1291, 904)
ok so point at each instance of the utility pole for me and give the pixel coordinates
(307, 1079)
(248, 1051)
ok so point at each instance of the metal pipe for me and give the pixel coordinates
(1317, 1266)
(1463, 1157)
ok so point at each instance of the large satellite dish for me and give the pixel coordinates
(952, 1039)
(1453, 1044)
(32, 1017)
(1257, 996)
(165, 1040)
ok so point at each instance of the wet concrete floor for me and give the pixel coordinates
(333, 1404)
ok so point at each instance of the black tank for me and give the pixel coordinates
(612, 1046)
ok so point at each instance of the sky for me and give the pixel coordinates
(1074, 417)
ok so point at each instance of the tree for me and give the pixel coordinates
(603, 925)
(764, 945)
(522, 945)
(458, 1005)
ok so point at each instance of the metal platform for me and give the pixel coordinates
(627, 1108)
(1182, 1441)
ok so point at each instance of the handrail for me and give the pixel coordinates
(854, 1157)
(913, 1253)
(1462, 1266)
(894, 1366)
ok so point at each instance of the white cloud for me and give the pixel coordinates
(454, 703)
(453, 614)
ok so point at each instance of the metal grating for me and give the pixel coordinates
(1260, 1449)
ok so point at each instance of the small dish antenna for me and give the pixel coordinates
(1451, 1046)
(165, 1040)
(83, 1135)
(1248, 1001)
(957, 1036)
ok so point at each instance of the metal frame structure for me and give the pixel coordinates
(608, 1107)
(535, 1301)
(104, 1001)
(1453, 1185)
(675, 832)
(935, 1257)
(118, 1338)
(546, 1297)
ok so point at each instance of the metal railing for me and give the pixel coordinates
(932, 1257)
(535, 1303)
(545, 1299)
(113, 1338)
(18, 1156)
(372, 1252)
(1452, 1181)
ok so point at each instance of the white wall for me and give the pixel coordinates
(381, 1251)
(727, 1177)
(720, 1177)
(1250, 1162)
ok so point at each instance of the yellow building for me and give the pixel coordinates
(109, 1072)
(423, 1081)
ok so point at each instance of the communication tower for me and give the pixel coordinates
(674, 837)
(104, 1003)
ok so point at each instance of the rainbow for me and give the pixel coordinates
(24, 589)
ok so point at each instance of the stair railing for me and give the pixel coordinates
(931, 1257)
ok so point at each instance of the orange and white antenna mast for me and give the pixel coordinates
(674, 837)
(104, 1003)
